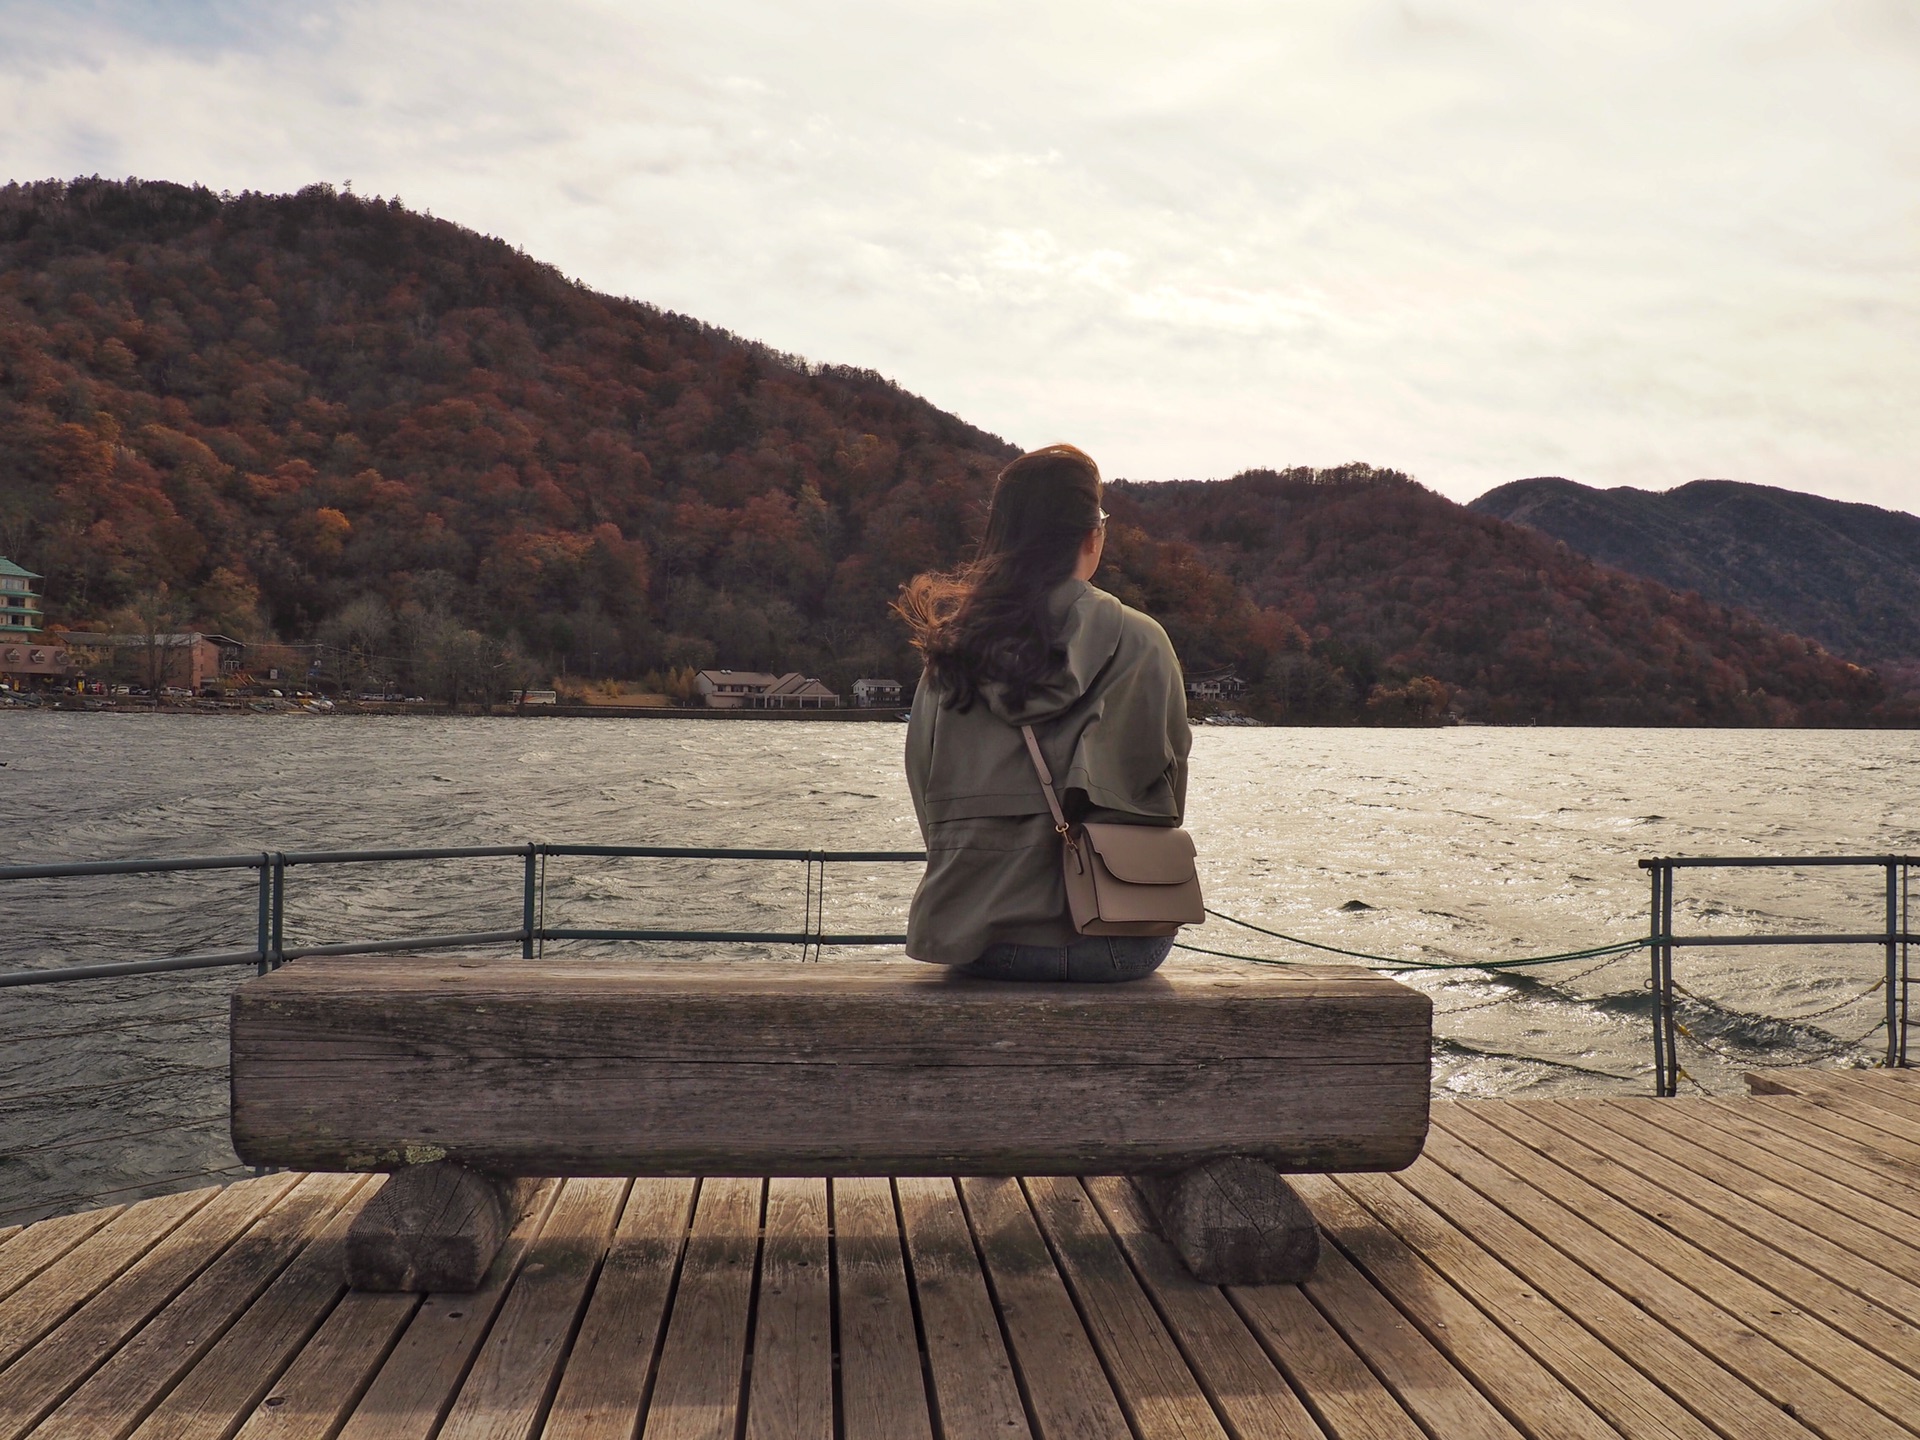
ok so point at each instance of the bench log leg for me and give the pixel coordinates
(1234, 1221)
(433, 1227)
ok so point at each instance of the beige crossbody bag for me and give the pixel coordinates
(1123, 879)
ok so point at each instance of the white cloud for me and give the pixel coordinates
(1633, 243)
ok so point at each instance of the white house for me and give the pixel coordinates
(757, 690)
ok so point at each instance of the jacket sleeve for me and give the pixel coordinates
(919, 757)
(1131, 758)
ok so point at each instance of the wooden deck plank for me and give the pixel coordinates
(1698, 1381)
(1813, 1316)
(790, 1386)
(882, 1393)
(1889, 1111)
(1753, 1178)
(415, 1386)
(1817, 1173)
(1628, 1400)
(1067, 1393)
(1425, 1382)
(238, 1371)
(1349, 1400)
(1856, 1297)
(77, 1276)
(1893, 1089)
(1841, 1171)
(1785, 1355)
(1150, 1376)
(611, 1366)
(1823, 1122)
(118, 1395)
(697, 1395)
(1660, 1270)
(1859, 1097)
(1245, 1387)
(60, 1361)
(975, 1395)
(45, 1241)
(1530, 1397)
(317, 1392)
(506, 1390)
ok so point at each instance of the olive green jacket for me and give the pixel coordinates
(1112, 724)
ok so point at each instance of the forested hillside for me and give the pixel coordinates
(323, 416)
(1847, 575)
(1390, 580)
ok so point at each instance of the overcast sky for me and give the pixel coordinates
(1634, 243)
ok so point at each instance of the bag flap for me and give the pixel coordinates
(1143, 854)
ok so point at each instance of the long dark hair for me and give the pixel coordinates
(988, 622)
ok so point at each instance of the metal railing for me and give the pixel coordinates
(1895, 937)
(270, 950)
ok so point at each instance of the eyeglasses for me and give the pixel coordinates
(1101, 523)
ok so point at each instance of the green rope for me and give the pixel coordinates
(1613, 949)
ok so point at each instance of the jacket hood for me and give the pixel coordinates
(1087, 625)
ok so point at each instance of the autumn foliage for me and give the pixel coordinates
(323, 415)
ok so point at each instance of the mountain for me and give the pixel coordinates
(323, 417)
(1390, 580)
(1847, 575)
(275, 405)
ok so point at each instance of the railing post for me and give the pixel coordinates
(263, 935)
(277, 952)
(1895, 1047)
(1653, 980)
(527, 905)
(1666, 1054)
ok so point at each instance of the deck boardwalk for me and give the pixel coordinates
(1691, 1268)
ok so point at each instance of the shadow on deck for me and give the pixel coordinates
(1647, 1268)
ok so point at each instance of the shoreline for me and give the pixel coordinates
(225, 709)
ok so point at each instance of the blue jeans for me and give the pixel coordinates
(1096, 959)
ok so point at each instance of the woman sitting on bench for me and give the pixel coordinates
(1020, 638)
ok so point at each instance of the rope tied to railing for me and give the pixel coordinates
(1612, 950)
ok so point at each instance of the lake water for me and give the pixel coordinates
(1461, 844)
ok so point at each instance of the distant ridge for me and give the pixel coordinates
(1847, 575)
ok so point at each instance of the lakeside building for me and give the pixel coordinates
(1217, 685)
(29, 656)
(757, 690)
(20, 617)
(871, 693)
(188, 660)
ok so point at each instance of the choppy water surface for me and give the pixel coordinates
(1459, 844)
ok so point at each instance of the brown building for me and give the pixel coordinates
(187, 660)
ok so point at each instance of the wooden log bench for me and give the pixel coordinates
(463, 1076)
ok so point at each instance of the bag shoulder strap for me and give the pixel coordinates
(1046, 779)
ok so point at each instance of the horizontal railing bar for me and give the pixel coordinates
(708, 852)
(423, 942)
(355, 857)
(1871, 937)
(55, 973)
(1751, 862)
(131, 867)
(762, 936)
(450, 852)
